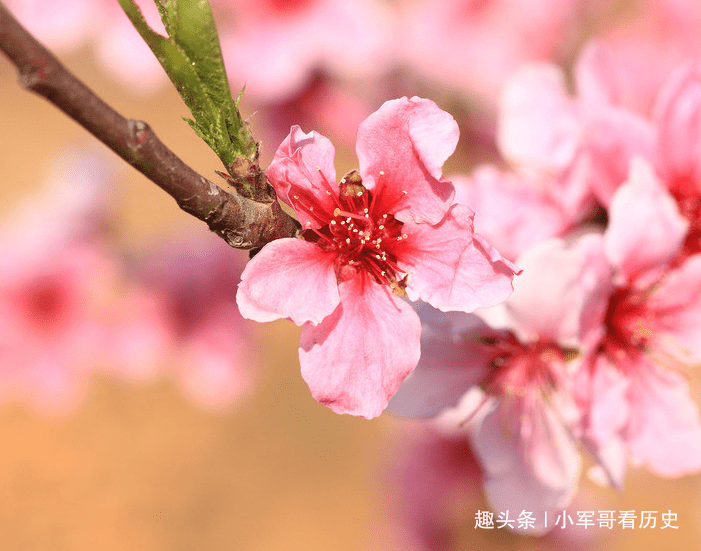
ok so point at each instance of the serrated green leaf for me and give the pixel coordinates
(191, 56)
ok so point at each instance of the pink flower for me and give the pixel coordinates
(645, 48)
(386, 231)
(429, 473)
(474, 45)
(178, 313)
(273, 47)
(582, 145)
(515, 212)
(66, 25)
(639, 408)
(509, 386)
(678, 153)
(56, 270)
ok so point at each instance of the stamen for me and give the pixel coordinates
(350, 215)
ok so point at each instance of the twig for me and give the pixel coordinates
(242, 222)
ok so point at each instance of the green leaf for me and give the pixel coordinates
(191, 56)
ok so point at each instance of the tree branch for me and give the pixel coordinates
(240, 220)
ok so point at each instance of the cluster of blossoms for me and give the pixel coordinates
(600, 209)
(73, 306)
(597, 200)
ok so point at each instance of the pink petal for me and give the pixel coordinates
(539, 127)
(664, 432)
(614, 137)
(303, 175)
(356, 358)
(645, 227)
(452, 361)
(401, 149)
(563, 292)
(608, 409)
(530, 461)
(452, 268)
(512, 212)
(676, 304)
(289, 278)
(678, 115)
(595, 75)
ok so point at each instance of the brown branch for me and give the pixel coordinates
(241, 221)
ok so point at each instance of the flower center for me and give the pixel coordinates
(45, 302)
(518, 367)
(628, 325)
(364, 240)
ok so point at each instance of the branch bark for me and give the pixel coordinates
(240, 220)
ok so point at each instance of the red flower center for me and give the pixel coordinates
(628, 325)
(518, 367)
(45, 302)
(364, 240)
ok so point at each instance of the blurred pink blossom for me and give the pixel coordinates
(433, 477)
(514, 212)
(472, 46)
(56, 272)
(582, 145)
(509, 385)
(384, 232)
(273, 47)
(178, 313)
(647, 45)
(639, 408)
(67, 25)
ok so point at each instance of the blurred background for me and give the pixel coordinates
(138, 411)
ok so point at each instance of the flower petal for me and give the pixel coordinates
(563, 292)
(356, 358)
(452, 268)
(452, 361)
(289, 278)
(645, 227)
(513, 213)
(676, 303)
(303, 175)
(401, 149)
(529, 460)
(539, 127)
(664, 432)
(678, 115)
